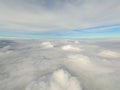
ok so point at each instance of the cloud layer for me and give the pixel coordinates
(44, 65)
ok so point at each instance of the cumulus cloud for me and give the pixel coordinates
(83, 62)
(59, 80)
(109, 54)
(45, 15)
(70, 48)
(47, 45)
(79, 59)
(37, 65)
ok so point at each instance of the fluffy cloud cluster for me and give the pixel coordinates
(59, 80)
(70, 48)
(109, 54)
(47, 45)
(79, 59)
(44, 65)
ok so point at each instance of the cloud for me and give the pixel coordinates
(70, 48)
(84, 60)
(109, 54)
(6, 47)
(46, 16)
(5, 53)
(32, 66)
(59, 80)
(47, 45)
(80, 61)
(85, 64)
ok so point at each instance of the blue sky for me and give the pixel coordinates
(59, 18)
(113, 32)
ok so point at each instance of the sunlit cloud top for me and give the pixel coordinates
(59, 15)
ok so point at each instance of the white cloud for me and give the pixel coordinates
(109, 54)
(85, 64)
(79, 59)
(47, 45)
(59, 80)
(70, 48)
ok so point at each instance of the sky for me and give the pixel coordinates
(59, 18)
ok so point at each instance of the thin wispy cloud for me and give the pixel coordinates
(57, 15)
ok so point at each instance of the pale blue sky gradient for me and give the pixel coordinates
(60, 18)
